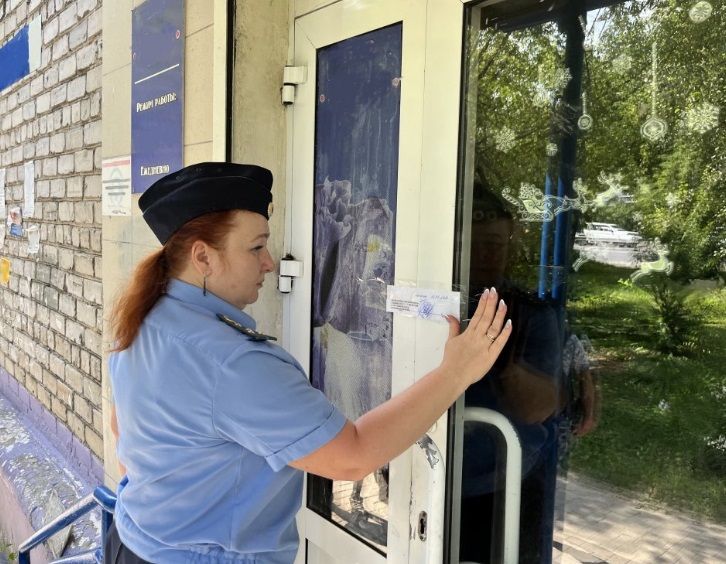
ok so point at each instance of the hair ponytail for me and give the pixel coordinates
(151, 276)
(147, 285)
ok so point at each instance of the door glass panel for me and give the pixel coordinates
(356, 169)
(593, 198)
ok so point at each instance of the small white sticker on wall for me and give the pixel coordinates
(116, 178)
(33, 234)
(423, 303)
(29, 189)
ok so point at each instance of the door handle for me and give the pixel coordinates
(513, 476)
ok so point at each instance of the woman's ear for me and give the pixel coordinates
(200, 257)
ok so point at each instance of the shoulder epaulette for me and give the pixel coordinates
(251, 333)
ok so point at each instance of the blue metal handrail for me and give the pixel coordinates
(102, 497)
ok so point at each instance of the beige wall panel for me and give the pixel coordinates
(116, 112)
(129, 229)
(259, 129)
(118, 229)
(303, 7)
(197, 87)
(197, 153)
(199, 14)
(116, 35)
(119, 271)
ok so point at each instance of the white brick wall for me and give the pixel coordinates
(51, 312)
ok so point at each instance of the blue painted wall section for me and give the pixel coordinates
(15, 59)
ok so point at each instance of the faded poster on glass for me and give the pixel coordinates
(356, 170)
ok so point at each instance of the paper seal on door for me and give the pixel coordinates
(425, 304)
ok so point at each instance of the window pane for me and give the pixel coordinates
(593, 198)
(358, 99)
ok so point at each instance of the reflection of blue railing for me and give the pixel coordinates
(102, 497)
(572, 27)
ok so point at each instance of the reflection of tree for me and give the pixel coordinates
(677, 183)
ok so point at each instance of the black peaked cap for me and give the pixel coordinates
(201, 188)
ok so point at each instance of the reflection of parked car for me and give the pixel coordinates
(596, 233)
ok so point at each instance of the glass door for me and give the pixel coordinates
(363, 217)
(592, 195)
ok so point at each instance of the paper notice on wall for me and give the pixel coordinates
(3, 211)
(422, 303)
(116, 178)
(29, 190)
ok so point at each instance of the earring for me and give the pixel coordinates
(204, 286)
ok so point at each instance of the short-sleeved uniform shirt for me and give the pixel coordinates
(208, 421)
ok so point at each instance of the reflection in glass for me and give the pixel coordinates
(607, 240)
(356, 168)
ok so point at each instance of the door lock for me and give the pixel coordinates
(422, 525)
(289, 269)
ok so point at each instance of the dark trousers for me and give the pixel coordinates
(116, 553)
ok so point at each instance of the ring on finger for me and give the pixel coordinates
(492, 339)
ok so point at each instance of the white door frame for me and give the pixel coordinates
(426, 204)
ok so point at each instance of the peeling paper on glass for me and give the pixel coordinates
(433, 305)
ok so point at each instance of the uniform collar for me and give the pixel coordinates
(193, 295)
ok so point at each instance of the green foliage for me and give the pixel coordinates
(660, 346)
(6, 550)
(677, 184)
(662, 415)
(678, 323)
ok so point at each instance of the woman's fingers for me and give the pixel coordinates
(484, 313)
(473, 353)
(498, 322)
(501, 340)
(479, 313)
(454, 326)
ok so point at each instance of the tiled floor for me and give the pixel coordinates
(602, 525)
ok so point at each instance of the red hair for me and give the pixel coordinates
(149, 280)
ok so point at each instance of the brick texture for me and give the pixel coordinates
(51, 309)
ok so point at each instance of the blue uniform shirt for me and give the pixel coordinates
(208, 421)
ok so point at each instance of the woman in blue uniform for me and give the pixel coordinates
(214, 422)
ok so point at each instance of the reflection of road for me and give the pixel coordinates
(604, 526)
(624, 257)
(365, 514)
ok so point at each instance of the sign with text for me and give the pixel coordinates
(157, 91)
(116, 179)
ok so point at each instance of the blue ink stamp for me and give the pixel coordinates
(425, 309)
